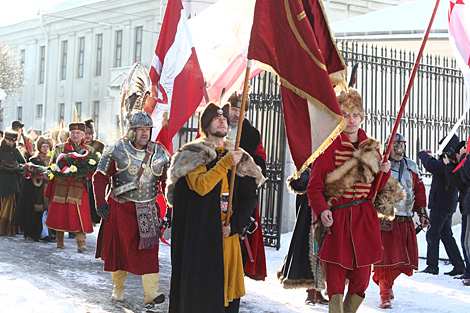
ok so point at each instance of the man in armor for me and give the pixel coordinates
(400, 248)
(130, 230)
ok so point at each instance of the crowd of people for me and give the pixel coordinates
(354, 211)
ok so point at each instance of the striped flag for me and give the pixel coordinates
(292, 37)
(177, 80)
(459, 37)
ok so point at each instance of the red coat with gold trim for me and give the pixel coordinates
(355, 233)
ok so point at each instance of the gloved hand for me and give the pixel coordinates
(103, 211)
(166, 221)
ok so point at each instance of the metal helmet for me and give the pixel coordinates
(398, 137)
(139, 118)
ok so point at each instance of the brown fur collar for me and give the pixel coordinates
(363, 165)
(386, 198)
(200, 152)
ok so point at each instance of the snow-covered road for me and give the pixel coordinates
(38, 277)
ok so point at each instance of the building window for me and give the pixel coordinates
(118, 59)
(96, 114)
(138, 44)
(61, 112)
(19, 113)
(42, 63)
(22, 57)
(63, 60)
(78, 107)
(81, 56)
(39, 110)
(99, 53)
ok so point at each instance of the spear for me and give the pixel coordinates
(237, 141)
(405, 98)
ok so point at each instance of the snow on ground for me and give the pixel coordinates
(37, 277)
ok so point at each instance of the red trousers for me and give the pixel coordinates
(336, 276)
(388, 275)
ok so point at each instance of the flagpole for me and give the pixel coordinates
(237, 141)
(405, 98)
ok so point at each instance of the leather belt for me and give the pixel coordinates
(402, 218)
(344, 205)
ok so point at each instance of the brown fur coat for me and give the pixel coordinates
(364, 165)
(200, 152)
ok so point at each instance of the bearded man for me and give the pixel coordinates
(400, 247)
(207, 270)
(130, 227)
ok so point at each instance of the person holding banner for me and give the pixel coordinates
(253, 254)
(207, 270)
(69, 208)
(340, 190)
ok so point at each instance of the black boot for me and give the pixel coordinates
(455, 272)
(430, 270)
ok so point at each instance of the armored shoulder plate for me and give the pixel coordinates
(405, 207)
(105, 161)
(412, 166)
(128, 161)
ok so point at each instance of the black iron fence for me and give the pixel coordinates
(435, 103)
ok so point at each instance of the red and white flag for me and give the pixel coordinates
(177, 80)
(222, 49)
(459, 37)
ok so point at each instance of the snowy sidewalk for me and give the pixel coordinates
(36, 277)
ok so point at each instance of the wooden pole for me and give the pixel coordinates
(237, 141)
(405, 98)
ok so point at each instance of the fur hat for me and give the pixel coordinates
(235, 100)
(44, 140)
(351, 102)
(77, 126)
(90, 126)
(10, 134)
(212, 111)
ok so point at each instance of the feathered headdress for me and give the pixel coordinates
(135, 89)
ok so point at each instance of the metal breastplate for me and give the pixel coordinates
(405, 207)
(128, 161)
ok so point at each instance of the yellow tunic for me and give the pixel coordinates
(202, 181)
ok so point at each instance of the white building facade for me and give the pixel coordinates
(77, 58)
(77, 55)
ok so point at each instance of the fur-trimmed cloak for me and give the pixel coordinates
(197, 280)
(355, 233)
(299, 266)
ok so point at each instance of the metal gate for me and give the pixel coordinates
(435, 103)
